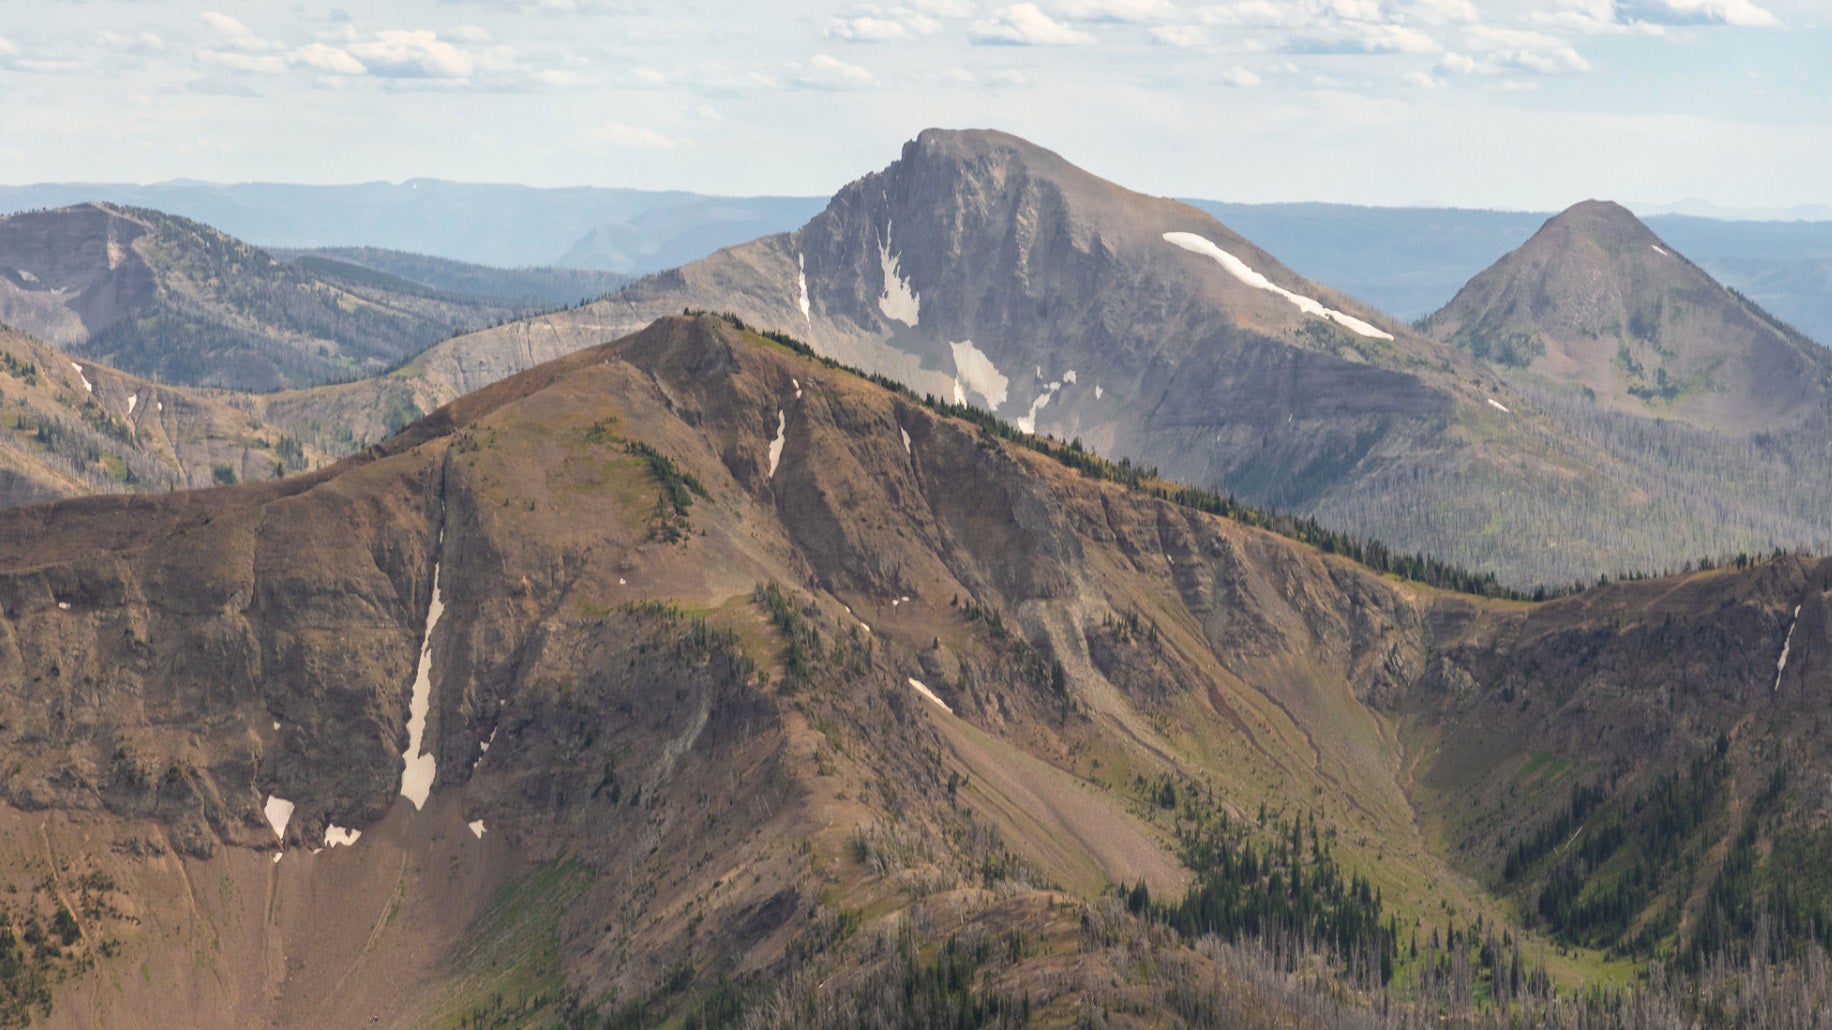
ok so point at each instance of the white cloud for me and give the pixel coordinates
(1740, 13)
(1257, 14)
(1442, 12)
(1524, 50)
(708, 113)
(1353, 10)
(996, 79)
(866, 29)
(226, 25)
(129, 42)
(1461, 64)
(325, 58)
(242, 61)
(1424, 80)
(7, 47)
(1180, 35)
(1363, 38)
(1117, 11)
(634, 137)
(413, 54)
(826, 72)
(1241, 78)
(1026, 25)
(884, 24)
(556, 6)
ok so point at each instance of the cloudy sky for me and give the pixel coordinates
(1483, 103)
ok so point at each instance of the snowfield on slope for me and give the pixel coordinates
(419, 770)
(897, 301)
(782, 434)
(1239, 269)
(930, 694)
(974, 371)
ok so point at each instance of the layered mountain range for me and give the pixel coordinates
(984, 269)
(691, 677)
(175, 300)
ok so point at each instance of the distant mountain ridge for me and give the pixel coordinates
(174, 299)
(499, 225)
(1410, 261)
(551, 286)
(1407, 262)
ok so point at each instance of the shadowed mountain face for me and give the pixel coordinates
(172, 299)
(727, 668)
(1595, 300)
(982, 268)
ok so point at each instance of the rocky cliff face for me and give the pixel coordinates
(981, 268)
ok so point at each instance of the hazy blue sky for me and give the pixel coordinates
(1509, 103)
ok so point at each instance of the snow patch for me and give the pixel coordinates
(1239, 269)
(88, 387)
(782, 430)
(1659, 250)
(279, 812)
(64, 605)
(419, 770)
(27, 276)
(1027, 423)
(797, 384)
(278, 855)
(476, 826)
(1498, 406)
(132, 399)
(1069, 376)
(906, 440)
(276, 724)
(930, 694)
(335, 835)
(1786, 643)
(897, 301)
(801, 278)
(159, 405)
(1098, 391)
(974, 369)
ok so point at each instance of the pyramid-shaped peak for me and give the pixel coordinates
(1600, 219)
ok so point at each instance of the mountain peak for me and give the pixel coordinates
(1596, 301)
(1602, 220)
